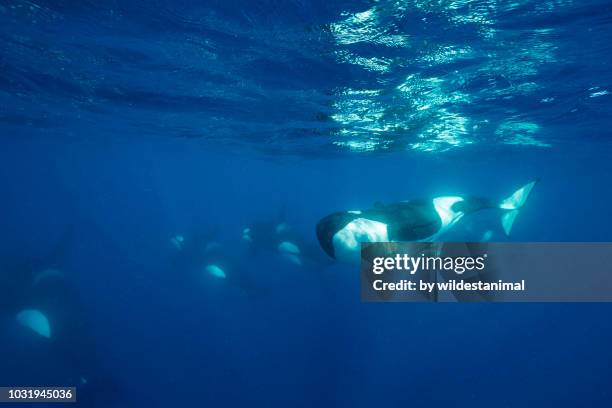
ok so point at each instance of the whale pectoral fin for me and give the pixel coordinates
(511, 205)
(507, 220)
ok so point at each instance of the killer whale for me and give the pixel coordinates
(202, 257)
(270, 234)
(24, 277)
(277, 236)
(42, 314)
(340, 234)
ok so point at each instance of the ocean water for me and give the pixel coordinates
(125, 124)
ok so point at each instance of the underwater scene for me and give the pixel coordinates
(185, 186)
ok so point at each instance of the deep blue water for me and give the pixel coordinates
(124, 124)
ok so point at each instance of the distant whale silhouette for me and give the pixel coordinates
(279, 237)
(200, 255)
(47, 308)
(340, 234)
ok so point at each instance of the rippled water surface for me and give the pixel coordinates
(310, 77)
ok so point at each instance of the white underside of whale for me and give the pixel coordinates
(347, 241)
(36, 321)
(215, 271)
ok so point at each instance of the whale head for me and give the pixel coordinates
(341, 234)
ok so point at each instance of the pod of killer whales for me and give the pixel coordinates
(38, 294)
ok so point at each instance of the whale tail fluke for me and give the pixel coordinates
(511, 206)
